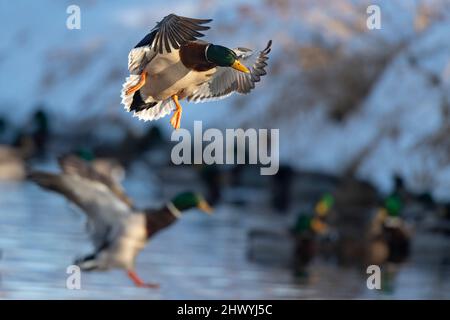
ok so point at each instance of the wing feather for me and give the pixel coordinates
(225, 81)
(172, 32)
(138, 58)
(71, 164)
(98, 202)
(102, 207)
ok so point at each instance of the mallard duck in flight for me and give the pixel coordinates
(118, 230)
(170, 64)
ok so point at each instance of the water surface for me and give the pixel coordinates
(200, 257)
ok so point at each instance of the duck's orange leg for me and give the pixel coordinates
(139, 85)
(176, 118)
(138, 281)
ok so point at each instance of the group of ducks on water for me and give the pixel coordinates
(381, 237)
(352, 225)
(352, 222)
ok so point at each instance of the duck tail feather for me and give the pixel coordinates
(144, 110)
(127, 100)
(156, 111)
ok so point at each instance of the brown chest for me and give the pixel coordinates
(192, 55)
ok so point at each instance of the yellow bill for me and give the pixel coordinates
(321, 209)
(205, 207)
(240, 67)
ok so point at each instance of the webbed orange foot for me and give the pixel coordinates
(139, 283)
(175, 121)
(139, 85)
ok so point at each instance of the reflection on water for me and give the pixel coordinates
(199, 257)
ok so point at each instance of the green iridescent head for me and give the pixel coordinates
(302, 224)
(188, 200)
(328, 199)
(307, 222)
(85, 154)
(393, 205)
(224, 57)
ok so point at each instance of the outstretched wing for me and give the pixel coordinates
(170, 33)
(102, 207)
(226, 81)
(138, 58)
(74, 165)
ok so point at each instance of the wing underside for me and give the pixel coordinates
(225, 81)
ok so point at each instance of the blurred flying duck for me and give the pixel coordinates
(107, 166)
(117, 229)
(170, 64)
